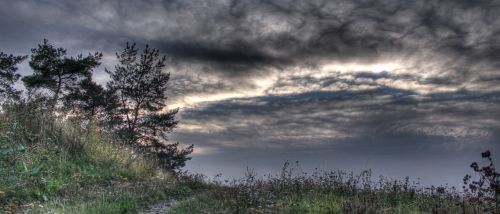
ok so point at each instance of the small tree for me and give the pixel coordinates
(140, 84)
(55, 72)
(8, 76)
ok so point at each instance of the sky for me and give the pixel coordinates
(405, 88)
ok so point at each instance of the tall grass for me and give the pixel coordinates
(323, 192)
(60, 164)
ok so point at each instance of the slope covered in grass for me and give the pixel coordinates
(50, 165)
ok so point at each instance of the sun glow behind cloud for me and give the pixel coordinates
(260, 85)
(355, 67)
(331, 77)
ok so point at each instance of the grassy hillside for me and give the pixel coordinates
(50, 165)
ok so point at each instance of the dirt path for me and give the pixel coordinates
(161, 207)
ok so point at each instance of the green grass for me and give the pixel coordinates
(216, 201)
(321, 192)
(128, 197)
(203, 203)
(51, 166)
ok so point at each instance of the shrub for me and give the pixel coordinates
(484, 191)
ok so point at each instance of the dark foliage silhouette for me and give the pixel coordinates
(485, 190)
(170, 156)
(8, 76)
(56, 73)
(90, 101)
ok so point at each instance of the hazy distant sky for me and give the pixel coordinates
(402, 87)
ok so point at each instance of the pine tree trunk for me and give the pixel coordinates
(56, 94)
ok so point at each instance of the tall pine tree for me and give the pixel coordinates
(140, 83)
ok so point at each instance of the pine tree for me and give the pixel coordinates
(140, 84)
(56, 73)
(8, 76)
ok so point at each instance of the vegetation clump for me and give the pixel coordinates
(484, 192)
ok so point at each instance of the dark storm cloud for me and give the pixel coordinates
(218, 45)
(245, 36)
(237, 58)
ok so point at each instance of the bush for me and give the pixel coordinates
(485, 191)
